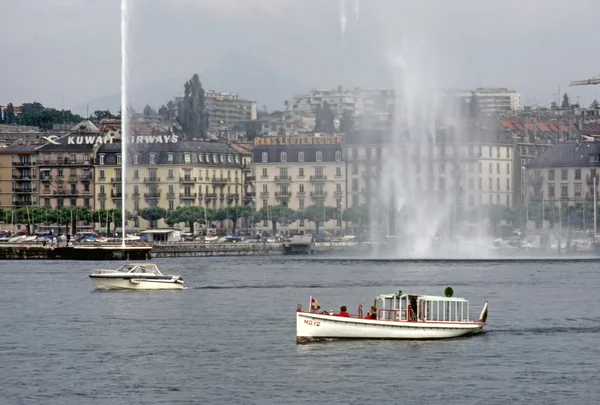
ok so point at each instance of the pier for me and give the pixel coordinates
(105, 252)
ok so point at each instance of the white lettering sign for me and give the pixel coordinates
(101, 139)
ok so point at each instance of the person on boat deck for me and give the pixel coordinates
(343, 312)
(372, 313)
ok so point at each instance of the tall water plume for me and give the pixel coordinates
(124, 111)
(343, 17)
(419, 186)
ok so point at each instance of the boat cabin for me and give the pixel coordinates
(142, 268)
(421, 308)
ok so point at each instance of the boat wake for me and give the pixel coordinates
(312, 286)
(546, 330)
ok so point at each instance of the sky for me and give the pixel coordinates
(68, 52)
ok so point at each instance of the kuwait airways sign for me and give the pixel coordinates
(101, 139)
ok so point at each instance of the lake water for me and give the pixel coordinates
(230, 337)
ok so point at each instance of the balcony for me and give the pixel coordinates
(283, 179)
(318, 179)
(250, 193)
(69, 192)
(233, 196)
(116, 179)
(22, 203)
(209, 196)
(171, 195)
(187, 180)
(73, 178)
(22, 190)
(47, 178)
(151, 180)
(286, 194)
(152, 195)
(190, 196)
(318, 194)
(116, 194)
(301, 193)
(250, 178)
(21, 164)
(86, 177)
(101, 195)
(60, 178)
(338, 193)
(264, 193)
(220, 180)
(19, 177)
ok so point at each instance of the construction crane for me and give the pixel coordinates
(593, 80)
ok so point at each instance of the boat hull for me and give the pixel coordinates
(313, 326)
(121, 283)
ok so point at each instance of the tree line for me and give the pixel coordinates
(35, 114)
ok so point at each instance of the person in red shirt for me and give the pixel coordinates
(343, 312)
(372, 313)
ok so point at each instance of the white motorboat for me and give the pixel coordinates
(396, 316)
(136, 276)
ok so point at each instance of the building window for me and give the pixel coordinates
(577, 190)
(301, 172)
(187, 158)
(265, 173)
(551, 191)
(507, 184)
(508, 154)
(136, 190)
(170, 174)
(300, 156)
(100, 158)
(577, 174)
(338, 171)
(301, 188)
(102, 174)
(498, 184)
(564, 174)
(118, 158)
(301, 203)
(222, 158)
(199, 157)
(338, 156)
(564, 190)
(265, 203)
(169, 158)
(136, 159)
(551, 175)
(265, 157)
(283, 157)
(508, 168)
(153, 158)
(498, 167)
(102, 204)
(229, 159)
(171, 204)
(136, 174)
(319, 156)
(265, 188)
(237, 159)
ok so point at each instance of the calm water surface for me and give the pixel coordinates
(230, 337)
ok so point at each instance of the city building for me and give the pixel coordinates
(297, 172)
(18, 177)
(477, 163)
(168, 175)
(66, 167)
(490, 101)
(245, 150)
(564, 174)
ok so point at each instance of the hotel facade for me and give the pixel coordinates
(297, 172)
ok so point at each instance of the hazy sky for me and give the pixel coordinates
(55, 50)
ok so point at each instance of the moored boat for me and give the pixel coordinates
(136, 276)
(396, 316)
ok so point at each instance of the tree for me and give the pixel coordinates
(277, 214)
(35, 114)
(358, 215)
(319, 119)
(100, 115)
(163, 111)
(328, 118)
(192, 109)
(149, 111)
(595, 105)
(565, 102)
(347, 122)
(319, 214)
(152, 215)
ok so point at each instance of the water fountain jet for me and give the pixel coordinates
(124, 114)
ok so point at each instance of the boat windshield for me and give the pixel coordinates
(126, 268)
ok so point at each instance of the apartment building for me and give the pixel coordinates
(18, 177)
(300, 171)
(168, 175)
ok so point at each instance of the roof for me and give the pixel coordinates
(159, 231)
(243, 148)
(85, 126)
(568, 154)
(540, 127)
(25, 149)
(198, 151)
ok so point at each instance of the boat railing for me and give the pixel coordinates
(391, 314)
